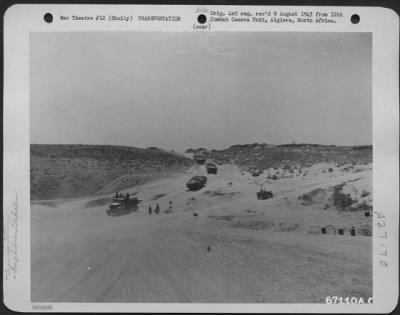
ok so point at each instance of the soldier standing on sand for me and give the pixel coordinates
(157, 210)
(150, 210)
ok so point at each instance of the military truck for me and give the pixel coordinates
(199, 159)
(211, 168)
(122, 205)
(196, 183)
(263, 194)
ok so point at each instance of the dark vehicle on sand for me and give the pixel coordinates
(263, 194)
(256, 173)
(123, 205)
(196, 183)
(199, 158)
(211, 168)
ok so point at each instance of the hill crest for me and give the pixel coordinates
(66, 171)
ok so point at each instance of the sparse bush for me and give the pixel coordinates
(365, 194)
(340, 200)
(362, 147)
(306, 197)
(363, 207)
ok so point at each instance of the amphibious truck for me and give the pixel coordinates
(196, 183)
(263, 194)
(199, 159)
(211, 168)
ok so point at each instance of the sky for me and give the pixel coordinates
(211, 89)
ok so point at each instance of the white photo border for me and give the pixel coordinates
(21, 20)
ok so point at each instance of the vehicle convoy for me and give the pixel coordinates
(199, 158)
(263, 194)
(211, 168)
(196, 183)
(122, 205)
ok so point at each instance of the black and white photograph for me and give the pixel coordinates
(200, 159)
(179, 167)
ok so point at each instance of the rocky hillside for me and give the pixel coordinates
(65, 171)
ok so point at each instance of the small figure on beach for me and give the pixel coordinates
(157, 210)
(150, 210)
(170, 207)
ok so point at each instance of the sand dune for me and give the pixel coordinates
(238, 248)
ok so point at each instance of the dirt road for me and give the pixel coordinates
(80, 254)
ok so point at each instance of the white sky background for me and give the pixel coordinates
(213, 90)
